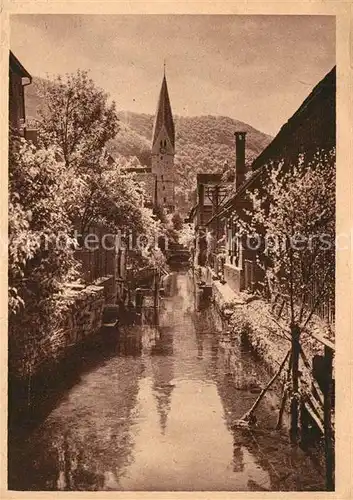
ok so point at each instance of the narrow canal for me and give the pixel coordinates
(156, 413)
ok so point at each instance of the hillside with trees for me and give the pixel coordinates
(203, 143)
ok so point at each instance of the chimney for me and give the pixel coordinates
(239, 158)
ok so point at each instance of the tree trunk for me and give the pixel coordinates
(284, 394)
(295, 335)
(304, 427)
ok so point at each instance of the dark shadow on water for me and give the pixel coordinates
(53, 383)
(49, 391)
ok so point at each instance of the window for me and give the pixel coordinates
(165, 200)
(235, 246)
(163, 145)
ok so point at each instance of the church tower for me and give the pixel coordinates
(163, 150)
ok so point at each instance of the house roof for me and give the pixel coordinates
(17, 67)
(326, 85)
(164, 116)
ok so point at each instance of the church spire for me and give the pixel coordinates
(164, 116)
(163, 150)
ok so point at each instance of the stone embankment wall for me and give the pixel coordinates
(251, 318)
(36, 370)
(82, 317)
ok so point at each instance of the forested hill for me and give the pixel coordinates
(203, 143)
(206, 140)
(200, 130)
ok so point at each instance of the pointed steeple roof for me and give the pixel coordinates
(164, 116)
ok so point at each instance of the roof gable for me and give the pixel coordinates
(17, 67)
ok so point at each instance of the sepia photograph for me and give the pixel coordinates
(172, 248)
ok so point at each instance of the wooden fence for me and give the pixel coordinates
(103, 263)
(318, 401)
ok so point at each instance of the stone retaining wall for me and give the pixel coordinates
(252, 318)
(107, 282)
(234, 276)
(55, 355)
(82, 316)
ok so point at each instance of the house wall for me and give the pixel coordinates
(16, 100)
(207, 207)
(311, 128)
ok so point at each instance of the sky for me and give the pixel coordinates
(257, 69)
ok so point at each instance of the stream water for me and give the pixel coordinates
(156, 413)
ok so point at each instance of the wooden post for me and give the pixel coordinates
(155, 301)
(215, 210)
(284, 393)
(304, 428)
(115, 257)
(155, 201)
(329, 448)
(295, 334)
(248, 415)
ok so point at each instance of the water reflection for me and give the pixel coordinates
(156, 413)
(162, 363)
(87, 440)
(130, 342)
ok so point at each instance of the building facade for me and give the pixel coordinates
(18, 79)
(312, 128)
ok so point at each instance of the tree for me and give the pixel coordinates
(296, 219)
(294, 216)
(41, 249)
(78, 120)
(177, 221)
(68, 178)
(187, 236)
(76, 117)
(111, 197)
